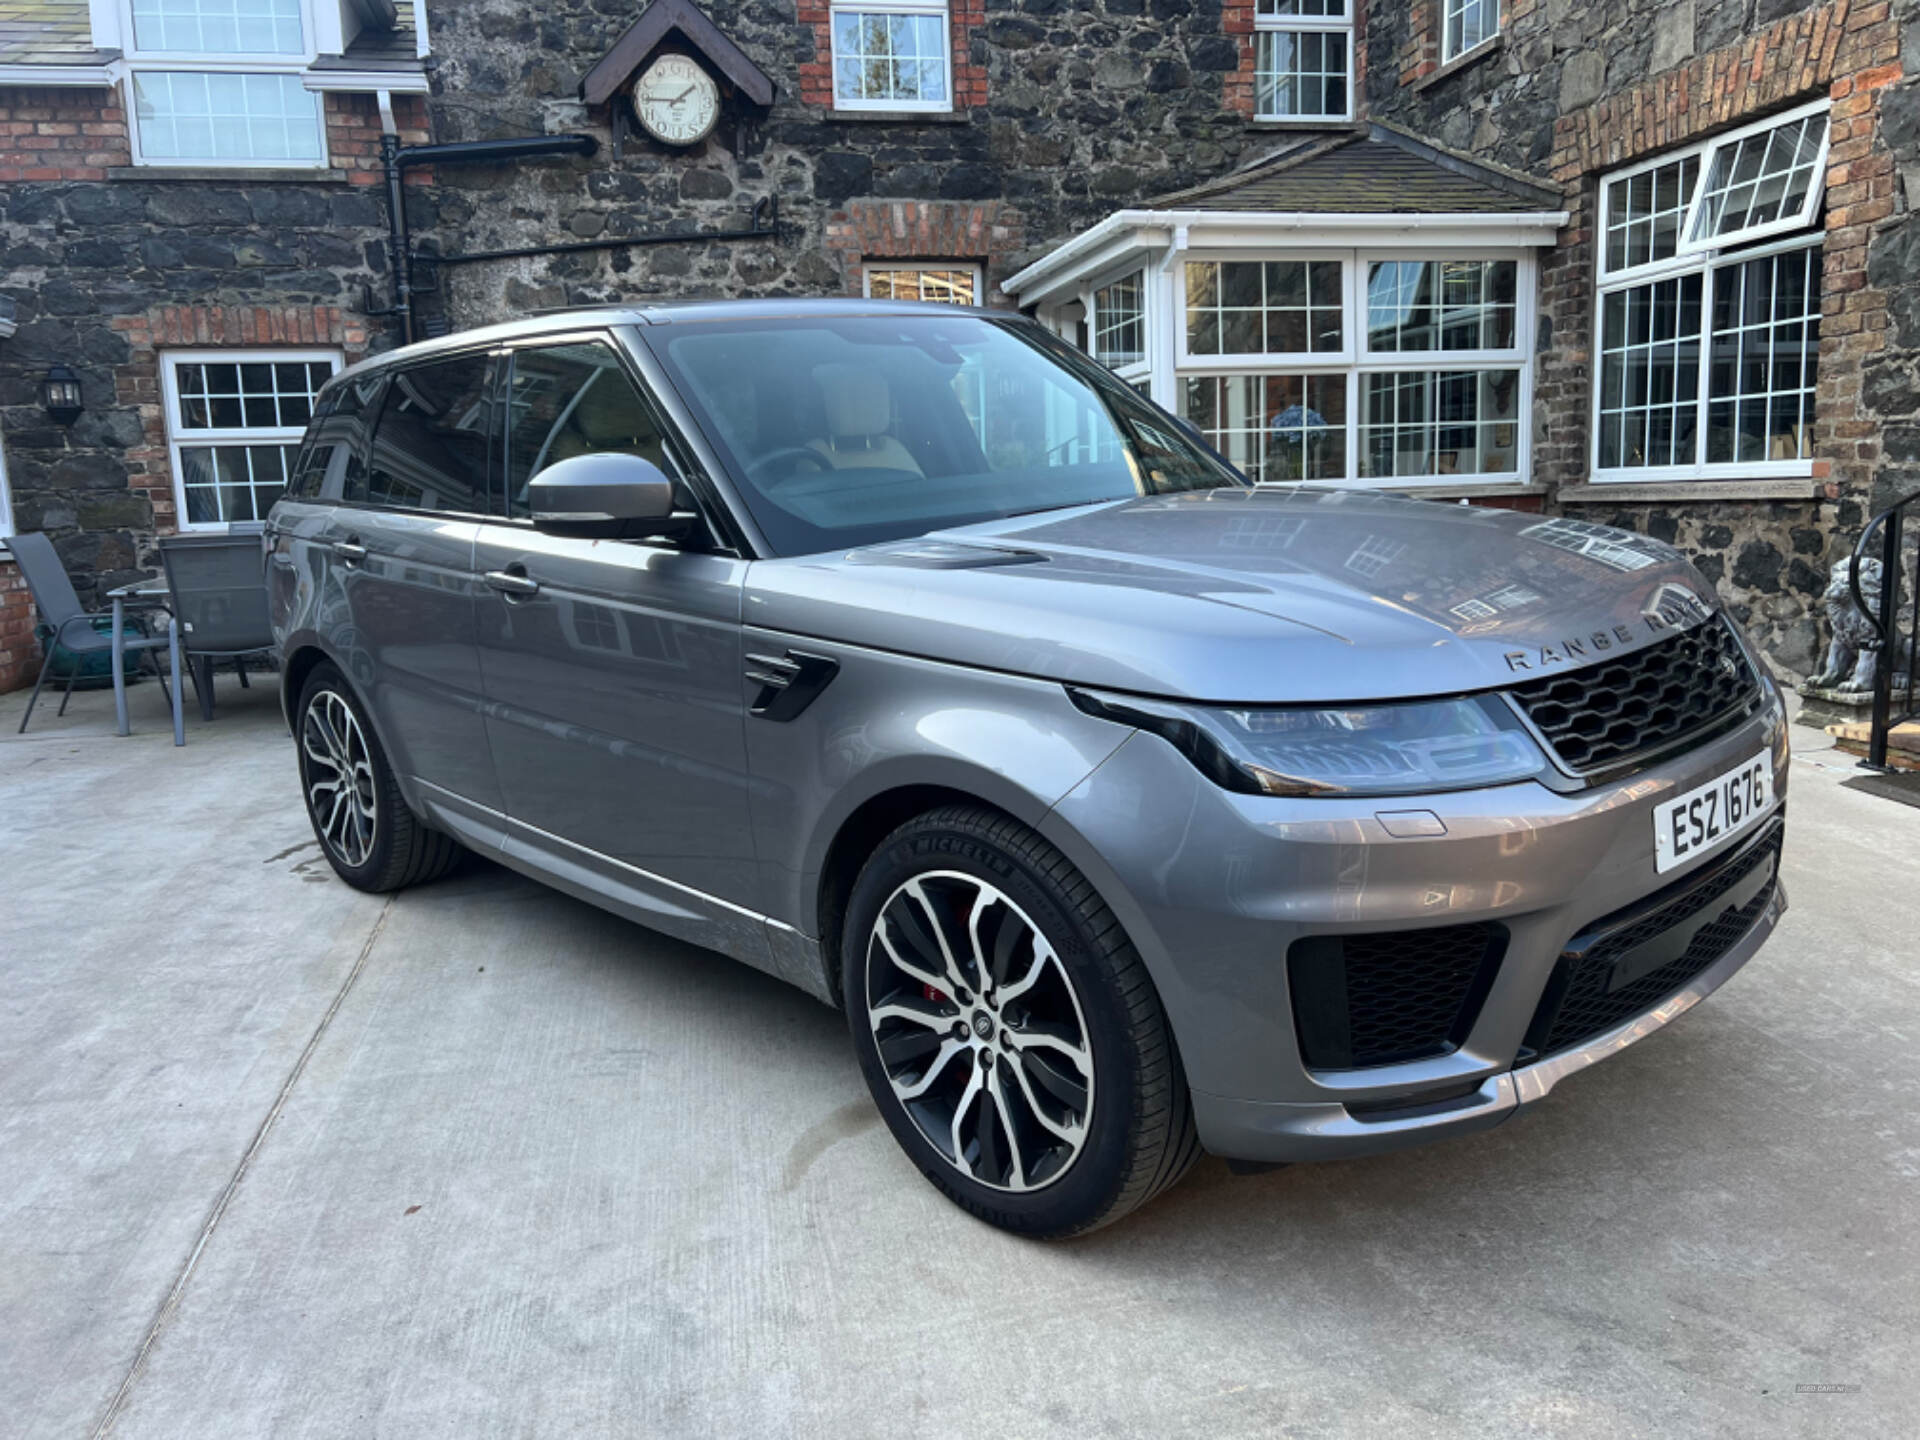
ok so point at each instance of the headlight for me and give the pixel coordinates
(1387, 749)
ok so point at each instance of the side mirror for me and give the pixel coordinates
(608, 496)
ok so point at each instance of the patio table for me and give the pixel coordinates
(147, 590)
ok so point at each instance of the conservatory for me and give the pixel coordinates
(1357, 310)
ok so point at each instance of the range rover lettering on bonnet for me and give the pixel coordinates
(1671, 609)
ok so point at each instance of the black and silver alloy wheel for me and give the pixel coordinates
(1007, 1029)
(370, 837)
(980, 1031)
(338, 774)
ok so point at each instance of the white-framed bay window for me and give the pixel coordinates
(235, 419)
(1707, 333)
(1117, 326)
(1303, 59)
(1388, 368)
(891, 55)
(218, 83)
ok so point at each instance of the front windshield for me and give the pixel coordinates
(846, 431)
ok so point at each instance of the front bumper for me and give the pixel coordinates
(1215, 887)
(1252, 1130)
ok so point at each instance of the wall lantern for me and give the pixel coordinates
(60, 395)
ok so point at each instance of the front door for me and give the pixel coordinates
(613, 668)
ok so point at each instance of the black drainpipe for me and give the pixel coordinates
(398, 158)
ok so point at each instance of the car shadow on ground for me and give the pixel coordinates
(1620, 1139)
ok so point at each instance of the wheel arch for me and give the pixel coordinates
(859, 834)
(295, 666)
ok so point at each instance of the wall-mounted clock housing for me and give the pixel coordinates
(676, 100)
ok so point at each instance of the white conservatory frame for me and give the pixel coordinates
(1060, 288)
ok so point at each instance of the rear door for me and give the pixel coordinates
(299, 533)
(401, 543)
(613, 668)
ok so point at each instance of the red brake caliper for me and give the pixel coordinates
(938, 997)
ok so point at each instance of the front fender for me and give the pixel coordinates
(888, 723)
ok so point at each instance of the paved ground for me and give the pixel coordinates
(277, 1159)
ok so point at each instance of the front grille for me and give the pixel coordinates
(1384, 998)
(1578, 1003)
(1618, 711)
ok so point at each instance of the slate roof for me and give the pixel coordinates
(1380, 171)
(48, 32)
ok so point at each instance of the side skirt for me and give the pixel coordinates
(768, 945)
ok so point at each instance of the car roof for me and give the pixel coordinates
(658, 312)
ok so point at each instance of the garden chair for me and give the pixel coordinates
(71, 622)
(219, 589)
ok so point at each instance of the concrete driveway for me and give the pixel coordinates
(278, 1159)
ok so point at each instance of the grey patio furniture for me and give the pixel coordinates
(73, 629)
(219, 589)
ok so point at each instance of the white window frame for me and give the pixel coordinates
(243, 59)
(141, 61)
(939, 8)
(1295, 24)
(1799, 220)
(1357, 359)
(179, 438)
(1705, 261)
(1451, 8)
(869, 268)
(1141, 370)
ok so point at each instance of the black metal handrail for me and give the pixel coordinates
(1886, 623)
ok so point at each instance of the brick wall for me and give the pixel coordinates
(61, 134)
(967, 20)
(985, 233)
(354, 130)
(136, 380)
(1846, 50)
(19, 654)
(1236, 20)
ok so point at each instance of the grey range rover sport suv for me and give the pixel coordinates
(1128, 810)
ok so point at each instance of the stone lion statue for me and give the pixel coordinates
(1850, 663)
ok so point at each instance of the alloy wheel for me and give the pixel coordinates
(979, 1031)
(339, 779)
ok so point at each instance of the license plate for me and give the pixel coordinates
(1711, 814)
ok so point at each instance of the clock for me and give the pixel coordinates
(676, 100)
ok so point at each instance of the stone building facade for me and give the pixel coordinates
(970, 148)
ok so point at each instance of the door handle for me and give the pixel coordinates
(351, 551)
(514, 583)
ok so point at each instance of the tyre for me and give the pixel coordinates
(371, 838)
(1008, 1030)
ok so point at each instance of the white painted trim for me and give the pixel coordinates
(329, 29)
(176, 438)
(394, 82)
(107, 20)
(1227, 229)
(59, 77)
(422, 47)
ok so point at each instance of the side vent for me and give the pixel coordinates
(788, 683)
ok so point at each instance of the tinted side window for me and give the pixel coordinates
(567, 400)
(334, 460)
(432, 446)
